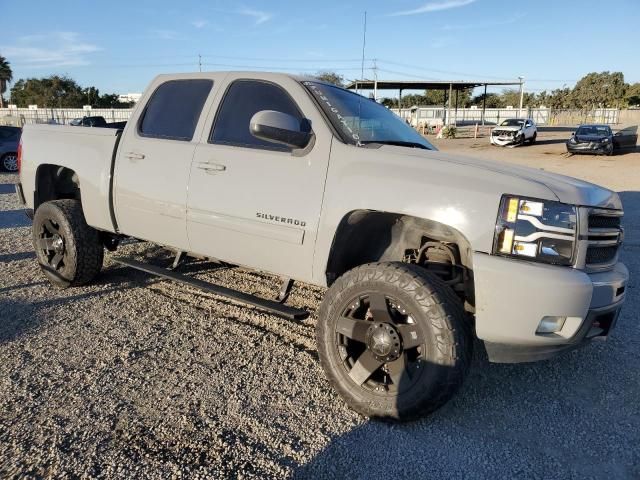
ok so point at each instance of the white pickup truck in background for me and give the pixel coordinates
(421, 251)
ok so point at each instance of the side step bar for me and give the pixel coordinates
(270, 306)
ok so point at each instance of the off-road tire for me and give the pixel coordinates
(436, 310)
(83, 249)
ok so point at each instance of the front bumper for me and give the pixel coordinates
(504, 140)
(590, 147)
(512, 297)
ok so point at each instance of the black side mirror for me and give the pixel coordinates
(278, 127)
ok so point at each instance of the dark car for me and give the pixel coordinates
(9, 140)
(97, 121)
(600, 140)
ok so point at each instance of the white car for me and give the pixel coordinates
(514, 131)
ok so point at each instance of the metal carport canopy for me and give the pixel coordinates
(451, 85)
(422, 84)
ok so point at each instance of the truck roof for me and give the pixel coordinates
(238, 73)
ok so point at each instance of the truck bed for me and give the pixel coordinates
(86, 151)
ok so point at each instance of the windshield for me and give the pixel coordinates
(360, 120)
(512, 122)
(593, 130)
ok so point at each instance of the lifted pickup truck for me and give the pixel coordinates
(421, 251)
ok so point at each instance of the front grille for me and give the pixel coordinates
(599, 255)
(604, 221)
(604, 236)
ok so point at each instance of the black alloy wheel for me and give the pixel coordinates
(393, 340)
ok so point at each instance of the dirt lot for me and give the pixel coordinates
(134, 376)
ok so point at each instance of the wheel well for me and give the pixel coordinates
(365, 236)
(54, 182)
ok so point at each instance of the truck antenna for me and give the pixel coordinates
(364, 44)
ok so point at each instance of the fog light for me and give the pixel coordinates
(551, 324)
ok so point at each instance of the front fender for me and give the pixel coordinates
(426, 186)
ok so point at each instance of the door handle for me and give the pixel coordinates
(212, 167)
(134, 156)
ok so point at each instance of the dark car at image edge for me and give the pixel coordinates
(9, 140)
(600, 140)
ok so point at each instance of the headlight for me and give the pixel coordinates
(572, 140)
(605, 140)
(539, 230)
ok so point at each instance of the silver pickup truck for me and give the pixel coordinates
(421, 251)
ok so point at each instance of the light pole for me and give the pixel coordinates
(521, 96)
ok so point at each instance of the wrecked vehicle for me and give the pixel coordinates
(600, 140)
(514, 131)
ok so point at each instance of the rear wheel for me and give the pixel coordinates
(9, 162)
(393, 340)
(69, 251)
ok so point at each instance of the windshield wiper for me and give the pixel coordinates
(397, 143)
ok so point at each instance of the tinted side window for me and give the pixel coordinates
(174, 109)
(243, 99)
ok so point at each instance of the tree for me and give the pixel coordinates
(57, 91)
(53, 91)
(558, 98)
(6, 75)
(605, 89)
(632, 95)
(493, 100)
(330, 77)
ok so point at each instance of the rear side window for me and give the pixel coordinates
(243, 99)
(174, 109)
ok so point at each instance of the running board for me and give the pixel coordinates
(270, 306)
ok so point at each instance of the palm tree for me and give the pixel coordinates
(6, 75)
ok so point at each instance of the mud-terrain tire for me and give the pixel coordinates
(69, 251)
(404, 310)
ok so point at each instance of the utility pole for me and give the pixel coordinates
(200, 62)
(521, 96)
(375, 80)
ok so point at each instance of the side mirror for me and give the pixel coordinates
(278, 127)
(618, 134)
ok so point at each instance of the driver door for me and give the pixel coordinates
(252, 202)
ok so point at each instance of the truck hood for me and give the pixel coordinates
(508, 129)
(566, 189)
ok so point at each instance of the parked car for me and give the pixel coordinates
(600, 140)
(514, 131)
(96, 121)
(9, 140)
(421, 252)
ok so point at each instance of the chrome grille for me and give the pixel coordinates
(604, 236)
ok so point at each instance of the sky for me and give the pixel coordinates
(119, 46)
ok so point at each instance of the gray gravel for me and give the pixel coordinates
(134, 376)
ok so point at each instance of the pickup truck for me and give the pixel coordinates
(421, 252)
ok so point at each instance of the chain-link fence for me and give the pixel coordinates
(59, 116)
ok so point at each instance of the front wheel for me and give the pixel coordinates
(69, 251)
(533, 139)
(393, 340)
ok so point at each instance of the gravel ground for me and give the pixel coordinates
(133, 376)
